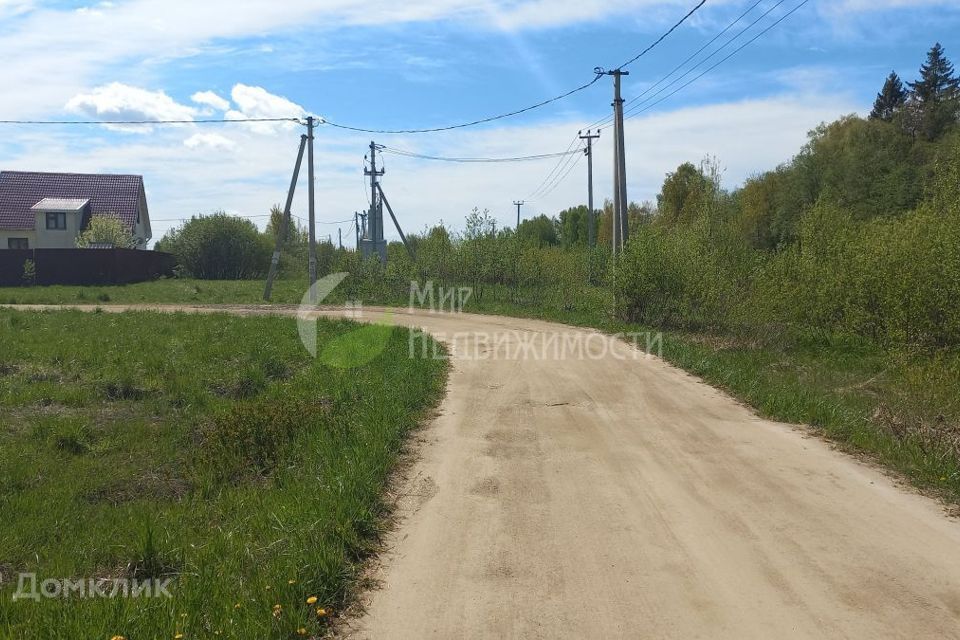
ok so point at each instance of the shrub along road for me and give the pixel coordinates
(620, 497)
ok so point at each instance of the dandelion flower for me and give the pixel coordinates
(301, 631)
(179, 636)
(118, 638)
(312, 600)
(321, 612)
(291, 582)
(236, 606)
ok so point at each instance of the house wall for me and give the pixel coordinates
(5, 234)
(54, 239)
(142, 229)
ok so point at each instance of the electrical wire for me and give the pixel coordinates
(607, 119)
(540, 156)
(598, 73)
(561, 177)
(463, 125)
(708, 70)
(561, 170)
(574, 141)
(663, 37)
(149, 122)
(699, 64)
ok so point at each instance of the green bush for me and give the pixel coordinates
(219, 247)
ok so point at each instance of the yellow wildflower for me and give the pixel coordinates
(301, 631)
(312, 600)
(321, 612)
(291, 582)
(118, 638)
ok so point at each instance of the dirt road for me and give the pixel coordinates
(562, 495)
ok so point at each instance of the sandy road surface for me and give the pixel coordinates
(560, 495)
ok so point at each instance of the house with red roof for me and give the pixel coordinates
(49, 210)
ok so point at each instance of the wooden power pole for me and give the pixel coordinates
(285, 223)
(620, 222)
(591, 214)
(311, 196)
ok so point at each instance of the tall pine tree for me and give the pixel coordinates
(936, 93)
(890, 100)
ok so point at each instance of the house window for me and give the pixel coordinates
(57, 221)
(18, 243)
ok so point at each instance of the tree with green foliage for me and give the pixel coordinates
(296, 234)
(891, 99)
(574, 230)
(937, 94)
(540, 231)
(106, 230)
(219, 247)
(686, 190)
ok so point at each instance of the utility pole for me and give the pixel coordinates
(340, 237)
(591, 223)
(285, 225)
(356, 228)
(518, 204)
(620, 168)
(312, 211)
(376, 245)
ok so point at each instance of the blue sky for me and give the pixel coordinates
(383, 64)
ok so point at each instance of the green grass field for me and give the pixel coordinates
(210, 449)
(899, 407)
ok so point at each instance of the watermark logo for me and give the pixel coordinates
(82, 588)
(438, 299)
(352, 349)
(535, 345)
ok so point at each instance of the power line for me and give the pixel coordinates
(711, 68)
(598, 73)
(560, 162)
(148, 122)
(664, 36)
(472, 123)
(250, 217)
(558, 170)
(540, 156)
(699, 64)
(561, 177)
(607, 119)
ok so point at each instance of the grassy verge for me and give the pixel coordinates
(901, 408)
(208, 449)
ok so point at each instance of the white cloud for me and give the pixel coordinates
(67, 59)
(257, 102)
(12, 8)
(117, 101)
(210, 99)
(210, 141)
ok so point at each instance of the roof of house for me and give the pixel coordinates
(61, 204)
(108, 194)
